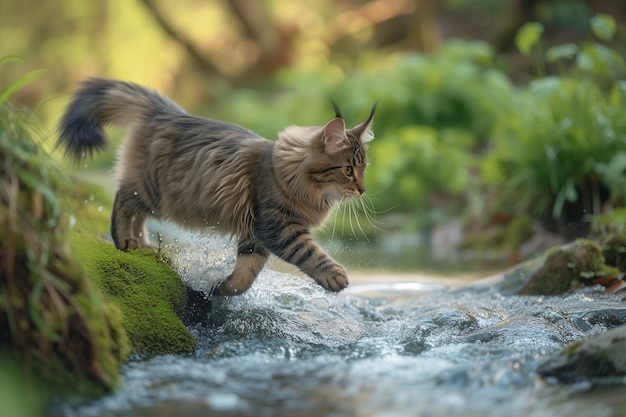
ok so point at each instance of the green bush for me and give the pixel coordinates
(57, 325)
(564, 147)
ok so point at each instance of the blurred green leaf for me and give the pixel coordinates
(528, 36)
(603, 26)
(17, 85)
(566, 51)
(599, 60)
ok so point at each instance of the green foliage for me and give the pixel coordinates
(566, 141)
(603, 26)
(566, 135)
(528, 37)
(17, 396)
(592, 59)
(420, 160)
(610, 224)
(19, 83)
(52, 319)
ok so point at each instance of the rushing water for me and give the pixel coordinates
(288, 348)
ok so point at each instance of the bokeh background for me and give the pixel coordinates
(501, 126)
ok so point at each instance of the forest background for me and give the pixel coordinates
(492, 113)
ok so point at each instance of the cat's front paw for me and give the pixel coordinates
(334, 280)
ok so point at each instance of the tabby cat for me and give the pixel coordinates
(199, 172)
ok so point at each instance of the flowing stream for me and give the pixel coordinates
(288, 348)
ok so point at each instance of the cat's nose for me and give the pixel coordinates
(360, 190)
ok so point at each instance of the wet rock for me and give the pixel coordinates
(603, 355)
(516, 329)
(569, 266)
(198, 307)
(606, 317)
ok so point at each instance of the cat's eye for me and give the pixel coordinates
(348, 170)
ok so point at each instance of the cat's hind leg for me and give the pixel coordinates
(128, 220)
(251, 258)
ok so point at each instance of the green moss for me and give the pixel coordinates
(149, 293)
(568, 266)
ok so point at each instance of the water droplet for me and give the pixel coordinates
(100, 208)
(135, 193)
(92, 197)
(86, 201)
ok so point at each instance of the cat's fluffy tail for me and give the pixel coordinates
(102, 102)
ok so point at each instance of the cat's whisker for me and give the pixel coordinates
(370, 215)
(371, 204)
(332, 236)
(349, 205)
(354, 208)
(343, 216)
(382, 190)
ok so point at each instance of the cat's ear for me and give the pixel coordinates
(334, 136)
(363, 131)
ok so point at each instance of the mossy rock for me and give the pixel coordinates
(602, 355)
(150, 295)
(55, 322)
(569, 266)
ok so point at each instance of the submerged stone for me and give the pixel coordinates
(603, 355)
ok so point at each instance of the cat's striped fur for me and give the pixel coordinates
(199, 172)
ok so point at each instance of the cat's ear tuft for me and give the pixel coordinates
(334, 136)
(336, 109)
(364, 131)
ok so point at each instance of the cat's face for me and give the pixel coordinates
(341, 170)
